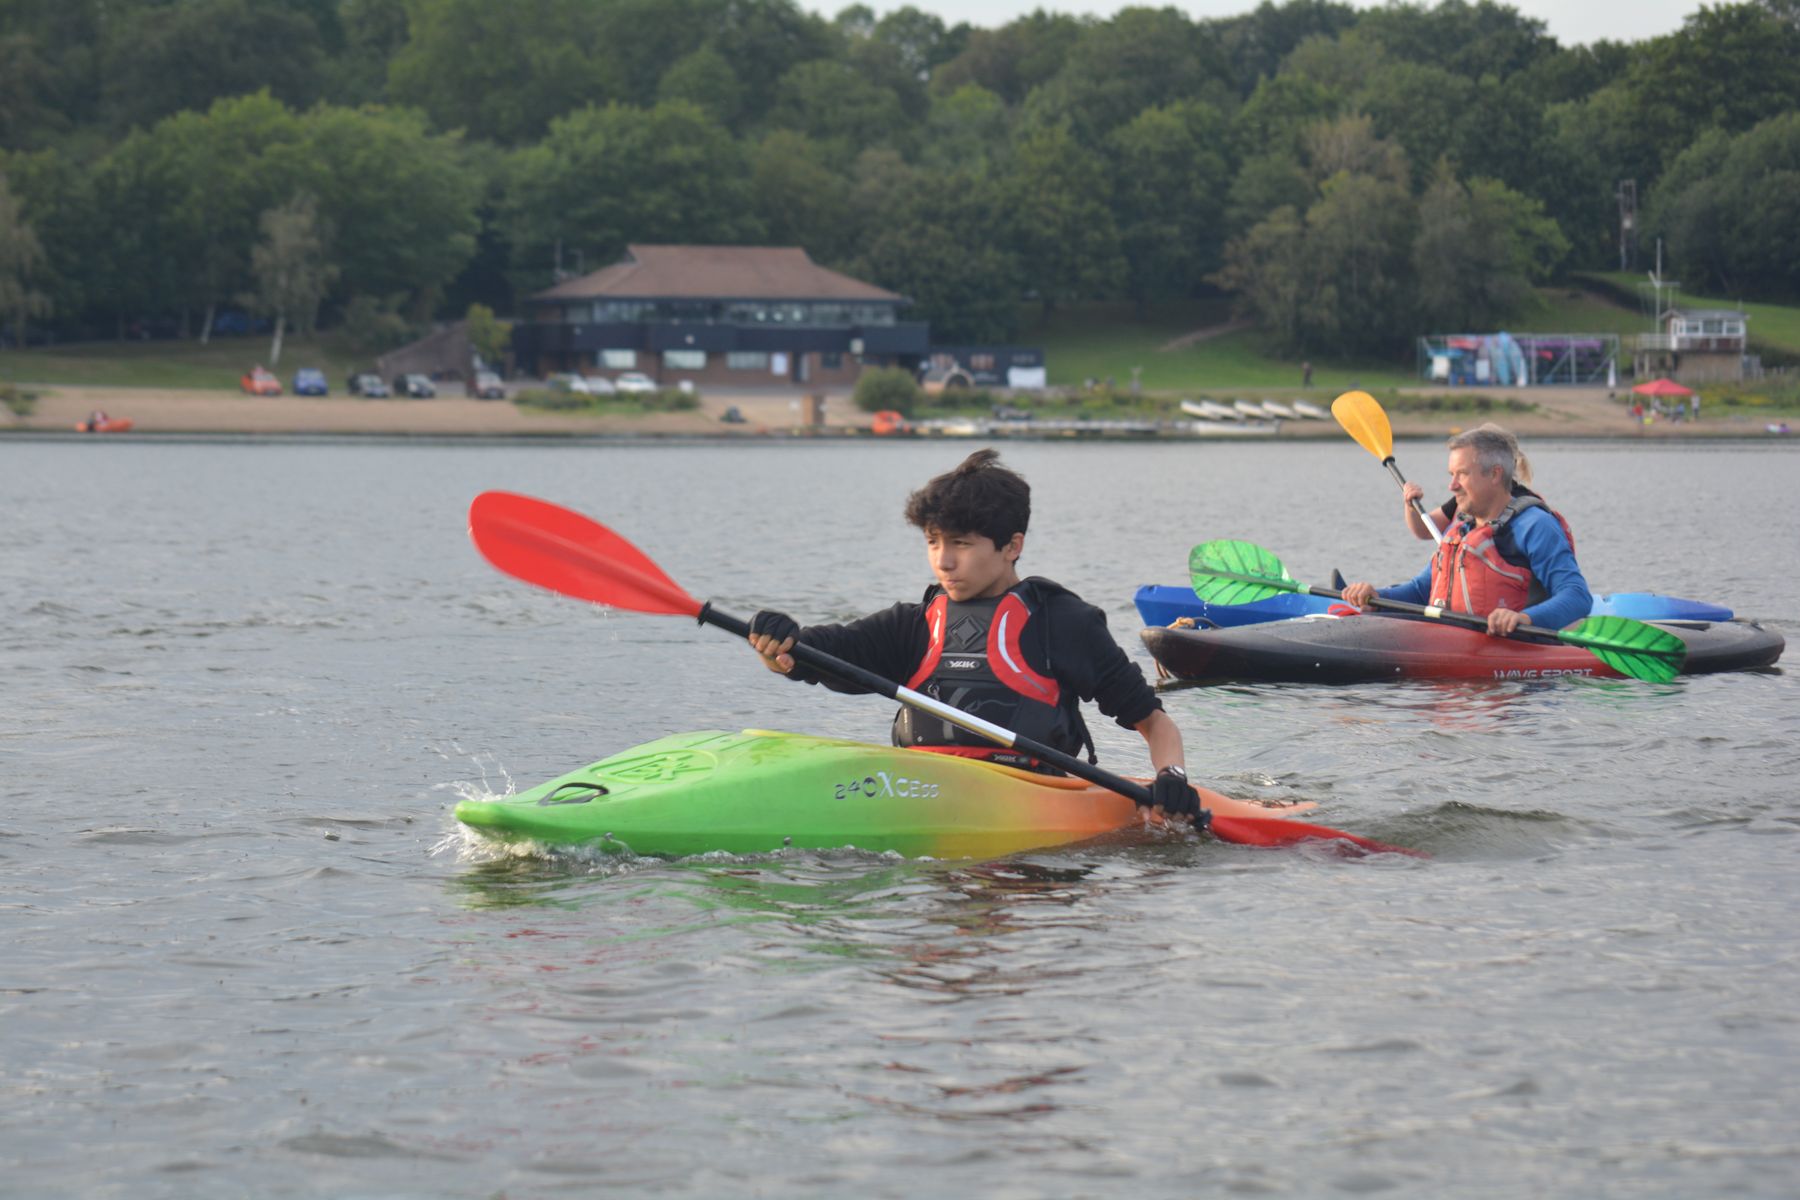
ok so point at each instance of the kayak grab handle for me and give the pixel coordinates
(589, 791)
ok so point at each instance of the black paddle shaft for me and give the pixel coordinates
(836, 667)
(1419, 508)
(1441, 614)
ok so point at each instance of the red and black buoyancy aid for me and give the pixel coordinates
(1478, 567)
(975, 660)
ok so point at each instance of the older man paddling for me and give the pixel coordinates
(1506, 557)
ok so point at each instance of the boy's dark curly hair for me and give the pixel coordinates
(980, 496)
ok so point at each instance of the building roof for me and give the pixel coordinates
(716, 273)
(1710, 313)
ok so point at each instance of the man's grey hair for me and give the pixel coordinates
(1493, 447)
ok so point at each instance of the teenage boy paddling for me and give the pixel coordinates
(1020, 653)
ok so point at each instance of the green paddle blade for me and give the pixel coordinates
(1630, 647)
(1227, 572)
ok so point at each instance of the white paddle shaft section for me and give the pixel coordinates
(955, 716)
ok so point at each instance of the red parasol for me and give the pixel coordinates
(1662, 387)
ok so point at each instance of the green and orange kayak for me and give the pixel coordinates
(759, 790)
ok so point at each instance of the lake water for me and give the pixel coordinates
(248, 953)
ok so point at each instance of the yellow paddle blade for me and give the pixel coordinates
(1363, 419)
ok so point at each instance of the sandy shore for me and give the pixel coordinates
(1562, 412)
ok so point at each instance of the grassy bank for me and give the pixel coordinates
(215, 366)
(1107, 341)
(1773, 329)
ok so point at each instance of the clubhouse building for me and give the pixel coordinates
(726, 316)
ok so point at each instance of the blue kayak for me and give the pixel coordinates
(1163, 605)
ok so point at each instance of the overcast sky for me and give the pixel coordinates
(1571, 22)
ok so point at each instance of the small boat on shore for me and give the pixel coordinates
(1250, 408)
(1309, 410)
(1209, 410)
(1276, 409)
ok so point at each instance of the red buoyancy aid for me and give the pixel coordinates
(975, 660)
(1478, 568)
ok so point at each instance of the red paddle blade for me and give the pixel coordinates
(1279, 831)
(565, 552)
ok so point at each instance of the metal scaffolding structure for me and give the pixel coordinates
(1520, 360)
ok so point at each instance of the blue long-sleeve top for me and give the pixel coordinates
(1547, 552)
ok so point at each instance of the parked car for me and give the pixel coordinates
(369, 385)
(414, 387)
(488, 386)
(576, 384)
(310, 381)
(634, 381)
(258, 381)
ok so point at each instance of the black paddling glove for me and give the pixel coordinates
(778, 625)
(1176, 796)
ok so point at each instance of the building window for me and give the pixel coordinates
(982, 362)
(684, 360)
(747, 360)
(617, 360)
(831, 360)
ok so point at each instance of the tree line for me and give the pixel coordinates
(1346, 176)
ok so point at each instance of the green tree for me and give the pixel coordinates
(1058, 221)
(765, 39)
(705, 80)
(1471, 40)
(887, 389)
(490, 336)
(1263, 184)
(29, 117)
(1479, 250)
(56, 198)
(937, 242)
(400, 201)
(1256, 42)
(1337, 280)
(922, 40)
(798, 198)
(290, 269)
(1349, 145)
(605, 177)
(965, 129)
(201, 182)
(21, 264)
(1359, 237)
(1140, 58)
(1272, 119)
(1170, 182)
(165, 59)
(838, 107)
(1014, 59)
(645, 37)
(1730, 66)
(372, 32)
(1729, 211)
(502, 72)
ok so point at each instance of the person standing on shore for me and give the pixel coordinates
(1507, 557)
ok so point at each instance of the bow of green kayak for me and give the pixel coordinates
(759, 790)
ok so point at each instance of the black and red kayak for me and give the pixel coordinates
(1376, 646)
